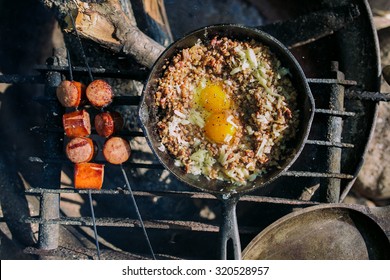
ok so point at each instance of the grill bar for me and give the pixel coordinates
(132, 223)
(318, 175)
(118, 100)
(190, 195)
(48, 236)
(136, 73)
(367, 95)
(332, 185)
(21, 79)
(139, 74)
(129, 223)
(60, 130)
(64, 161)
(335, 113)
(83, 253)
(330, 144)
(339, 81)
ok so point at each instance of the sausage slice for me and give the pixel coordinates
(99, 93)
(118, 121)
(80, 149)
(70, 93)
(88, 175)
(116, 150)
(77, 124)
(108, 123)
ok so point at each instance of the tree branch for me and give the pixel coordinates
(107, 24)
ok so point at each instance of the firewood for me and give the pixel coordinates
(108, 25)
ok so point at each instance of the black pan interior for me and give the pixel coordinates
(148, 112)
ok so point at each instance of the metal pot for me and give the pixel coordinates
(228, 193)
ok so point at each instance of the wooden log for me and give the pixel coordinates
(108, 25)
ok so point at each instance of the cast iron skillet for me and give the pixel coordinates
(322, 232)
(228, 193)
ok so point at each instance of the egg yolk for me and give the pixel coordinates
(219, 129)
(214, 99)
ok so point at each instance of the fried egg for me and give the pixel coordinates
(214, 99)
(220, 128)
(215, 106)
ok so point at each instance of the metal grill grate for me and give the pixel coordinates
(49, 217)
(321, 165)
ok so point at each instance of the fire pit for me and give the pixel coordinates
(183, 223)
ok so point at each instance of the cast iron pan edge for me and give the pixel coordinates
(328, 231)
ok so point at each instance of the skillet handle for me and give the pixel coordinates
(229, 228)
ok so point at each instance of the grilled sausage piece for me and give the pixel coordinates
(99, 93)
(116, 150)
(77, 124)
(80, 149)
(70, 93)
(118, 121)
(88, 175)
(108, 123)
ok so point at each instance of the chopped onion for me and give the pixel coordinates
(228, 138)
(196, 118)
(235, 70)
(261, 148)
(262, 119)
(230, 120)
(245, 65)
(240, 52)
(223, 154)
(179, 114)
(268, 106)
(203, 83)
(197, 142)
(228, 82)
(249, 129)
(283, 71)
(178, 89)
(201, 162)
(250, 165)
(251, 56)
(263, 72)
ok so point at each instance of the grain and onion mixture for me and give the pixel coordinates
(226, 109)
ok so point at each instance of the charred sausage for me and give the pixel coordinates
(88, 175)
(99, 93)
(70, 93)
(116, 150)
(77, 124)
(108, 123)
(118, 121)
(80, 149)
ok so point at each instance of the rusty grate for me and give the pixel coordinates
(321, 164)
(49, 218)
